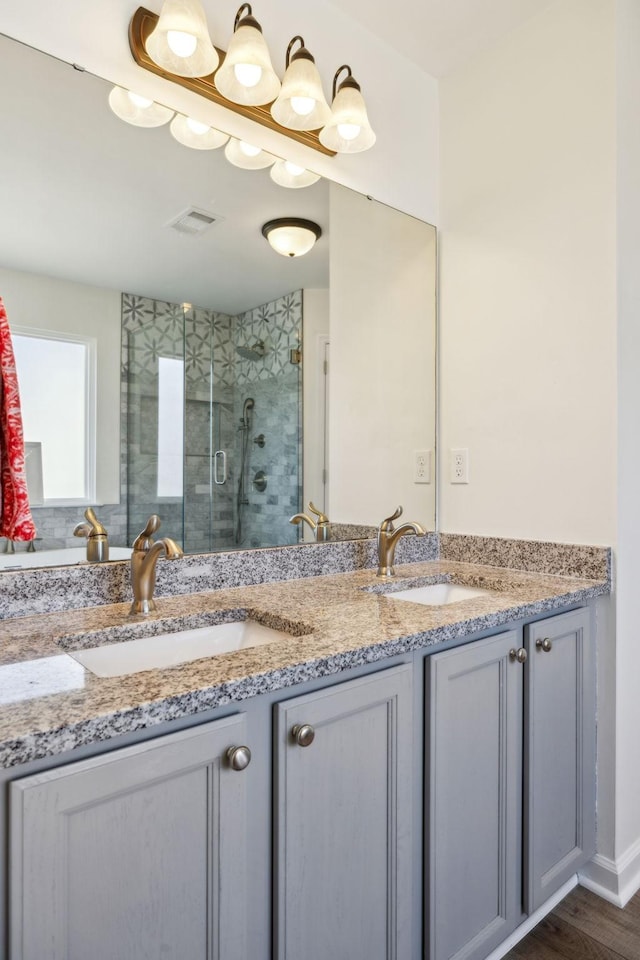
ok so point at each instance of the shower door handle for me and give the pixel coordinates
(216, 462)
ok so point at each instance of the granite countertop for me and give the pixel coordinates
(50, 704)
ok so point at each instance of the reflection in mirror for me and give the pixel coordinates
(233, 385)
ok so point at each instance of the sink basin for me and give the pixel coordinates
(439, 594)
(171, 649)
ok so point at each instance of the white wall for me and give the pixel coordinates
(315, 331)
(382, 368)
(65, 307)
(627, 847)
(527, 246)
(95, 35)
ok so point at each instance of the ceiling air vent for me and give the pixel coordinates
(194, 222)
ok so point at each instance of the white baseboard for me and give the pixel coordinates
(533, 920)
(613, 880)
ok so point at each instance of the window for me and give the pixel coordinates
(56, 372)
(170, 426)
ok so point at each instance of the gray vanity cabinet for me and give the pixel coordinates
(474, 729)
(344, 820)
(560, 716)
(122, 855)
(511, 747)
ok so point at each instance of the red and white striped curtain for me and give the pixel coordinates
(16, 521)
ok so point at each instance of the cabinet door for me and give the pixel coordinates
(560, 788)
(474, 737)
(132, 855)
(344, 819)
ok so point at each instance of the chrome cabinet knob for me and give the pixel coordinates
(303, 734)
(545, 645)
(519, 655)
(239, 757)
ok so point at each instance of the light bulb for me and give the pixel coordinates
(302, 105)
(248, 74)
(293, 168)
(196, 127)
(248, 149)
(138, 101)
(182, 44)
(349, 131)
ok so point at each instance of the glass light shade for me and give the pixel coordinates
(180, 41)
(197, 135)
(247, 59)
(287, 174)
(244, 155)
(301, 104)
(291, 237)
(137, 110)
(348, 130)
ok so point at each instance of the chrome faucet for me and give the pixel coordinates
(96, 534)
(319, 527)
(143, 564)
(388, 536)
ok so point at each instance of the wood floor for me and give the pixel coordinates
(584, 927)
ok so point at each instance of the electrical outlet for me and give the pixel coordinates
(459, 466)
(422, 466)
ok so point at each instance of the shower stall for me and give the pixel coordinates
(211, 422)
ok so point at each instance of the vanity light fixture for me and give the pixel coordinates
(245, 155)
(198, 136)
(180, 42)
(177, 47)
(348, 130)
(288, 174)
(138, 110)
(301, 104)
(290, 236)
(247, 75)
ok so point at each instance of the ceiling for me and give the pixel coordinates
(87, 197)
(439, 36)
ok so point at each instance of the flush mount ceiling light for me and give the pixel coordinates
(290, 236)
(245, 155)
(301, 104)
(288, 174)
(247, 75)
(180, 42)
(348, 130)
(198, 136)
(137, 110)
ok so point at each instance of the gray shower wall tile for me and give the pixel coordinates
(217, 380)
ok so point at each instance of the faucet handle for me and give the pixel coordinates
(322, 518)
(144, 539)
(388, 523)
(97, 528)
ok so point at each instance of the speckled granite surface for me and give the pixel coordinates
(564, 559)
(50, 704)
(71, 588)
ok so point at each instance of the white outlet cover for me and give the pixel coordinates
(459, 466)
(422, 466)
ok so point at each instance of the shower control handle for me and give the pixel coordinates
(218, 477)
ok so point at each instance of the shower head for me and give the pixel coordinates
(255, 352)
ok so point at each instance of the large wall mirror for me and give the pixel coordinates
(174, 365)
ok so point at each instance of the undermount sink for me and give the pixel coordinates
(439, 594)
(171, 649)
